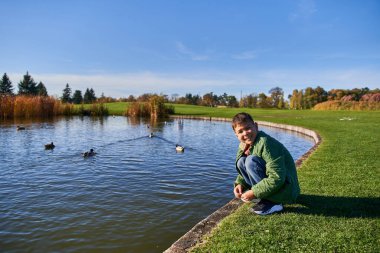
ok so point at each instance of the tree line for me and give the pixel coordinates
(299, 99)
(27, 86)
(77, 98)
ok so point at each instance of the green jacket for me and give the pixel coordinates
(281, 185)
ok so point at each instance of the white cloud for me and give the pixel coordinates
(184, 50)
(247, 55)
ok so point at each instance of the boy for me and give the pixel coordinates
(266, 170)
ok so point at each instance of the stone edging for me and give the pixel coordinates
(195, 235)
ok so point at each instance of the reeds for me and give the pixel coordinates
(6, 107)
(32, 106)
(138, 109)
(154, 108)
(99, 109)
(27, 106)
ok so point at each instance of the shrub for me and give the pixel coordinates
(348, 105)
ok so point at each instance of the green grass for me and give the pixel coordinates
(339, 208)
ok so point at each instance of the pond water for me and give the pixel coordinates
(136, 195)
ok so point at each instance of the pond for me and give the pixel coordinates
(137, 194)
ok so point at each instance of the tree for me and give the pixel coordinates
(41, 90)
(77, 97)
(321, 94)
(131, 98)
(93, 97)
(249, 101)
(209, 99)
(6, 87)
(232, 101)
(66, 95)
(277, 95)
(174, 97)
(262, 101)
(293, 100)
(223, 99)
(27, 86)
(89, 96)
(309, 99)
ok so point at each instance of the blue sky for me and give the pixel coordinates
(126, 47)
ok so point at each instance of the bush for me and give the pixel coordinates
(348, 105)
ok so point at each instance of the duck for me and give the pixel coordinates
(20, 128)
(50, 146)
(89, 153)
(151, 135)
(179, 148)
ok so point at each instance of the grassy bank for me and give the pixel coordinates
(339, 208)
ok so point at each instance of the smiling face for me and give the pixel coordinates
(246, 132)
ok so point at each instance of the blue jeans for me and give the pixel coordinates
(252, 168)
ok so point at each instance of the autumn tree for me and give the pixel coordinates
(209, 99)
(262, 101)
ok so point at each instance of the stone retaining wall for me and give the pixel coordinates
(195, 235)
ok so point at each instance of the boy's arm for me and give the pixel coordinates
(275, 170)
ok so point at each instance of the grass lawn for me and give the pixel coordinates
(339, 207)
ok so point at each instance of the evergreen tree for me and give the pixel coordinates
(87, 96)
(93, 97)
(77, 97)
(27, 86)
(6, 85)
(66, 95)
(41, 90)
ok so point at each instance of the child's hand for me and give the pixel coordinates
(248, 196)
(238, 191)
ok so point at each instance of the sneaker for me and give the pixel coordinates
(265, 207)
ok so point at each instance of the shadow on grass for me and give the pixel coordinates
(350, 207)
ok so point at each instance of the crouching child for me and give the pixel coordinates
(266, 170)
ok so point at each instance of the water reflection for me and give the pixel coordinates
(136, 195)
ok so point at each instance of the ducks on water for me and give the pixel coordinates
(179, 148)
(20, 128)
(50, 146)
(89, 153)
(151, 135)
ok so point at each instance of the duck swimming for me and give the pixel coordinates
(151, 135)
(179, 148)
(20, 128)
(89, 153)
(50, 146)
